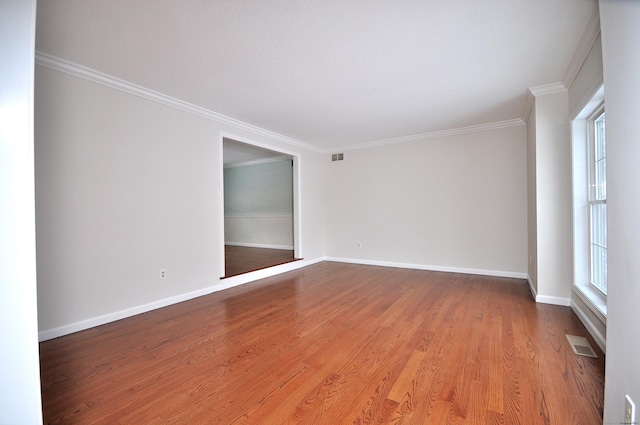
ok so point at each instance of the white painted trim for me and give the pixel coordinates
(588, 38)
(98, 77)
(534, 92)
(592, 100)
(297, 187)
(118, 315)
(546, 299)
(297, 207)
(221, 221)
(547, 89)
(258, 245)
(233, 281)
(261, 215)
(594, 301)
(257, 162)
(495, 273)
(251, 277)
(433, 135)
(249, 141)
(133, 311)
(591, 328)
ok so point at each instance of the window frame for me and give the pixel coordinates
(585, 293)
(593, 198)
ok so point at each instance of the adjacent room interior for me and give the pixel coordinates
(258, 208)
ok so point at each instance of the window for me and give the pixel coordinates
(589, 182)
(598, 203)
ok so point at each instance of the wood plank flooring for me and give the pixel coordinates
(332, 344)
(242, 259)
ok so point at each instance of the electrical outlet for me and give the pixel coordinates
(163, 274)
(629, 410)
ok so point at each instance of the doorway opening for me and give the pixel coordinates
(261, 211)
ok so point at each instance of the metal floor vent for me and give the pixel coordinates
(581, 346)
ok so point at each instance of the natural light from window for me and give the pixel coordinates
(598, 204)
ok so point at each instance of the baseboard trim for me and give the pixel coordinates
(591, 328)
(494, 273)
(273, 271)
(118, 315)
(546, 299)
(260, 245)
(230, 282)
(93, 322)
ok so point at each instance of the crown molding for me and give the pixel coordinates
(98, 77)
(547, 89)
(433, 135)
(587, 40)
(534, 92)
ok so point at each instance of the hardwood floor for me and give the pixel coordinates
(241, 259)
(332, 344)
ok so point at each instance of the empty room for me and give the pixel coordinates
(222, 212)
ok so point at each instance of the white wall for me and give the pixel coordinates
(19, 358)
(126, 187)
(532, 214)
(620, 23)
(455, 203)
(553, 198)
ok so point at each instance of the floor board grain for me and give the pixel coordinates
(332, 344)
(243, 259)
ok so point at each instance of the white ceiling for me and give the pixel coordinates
(328, 73)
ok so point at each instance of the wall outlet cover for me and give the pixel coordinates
(629, 410)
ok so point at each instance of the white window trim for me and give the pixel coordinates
(592, 297)
(591, 171)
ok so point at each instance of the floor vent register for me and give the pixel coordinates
(581, 346)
